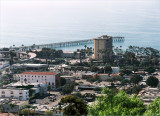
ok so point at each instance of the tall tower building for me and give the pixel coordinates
(102, 47)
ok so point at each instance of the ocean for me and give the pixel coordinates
(31, 22)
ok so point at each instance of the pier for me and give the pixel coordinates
(64, 44)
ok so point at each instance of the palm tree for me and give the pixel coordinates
(33, 46)
(12, 54)
(85, 46)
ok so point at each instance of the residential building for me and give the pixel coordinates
(16, 93)
(52, 79)
(102, 47)
(40, 88)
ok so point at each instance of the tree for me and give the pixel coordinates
(154, 108)
(12, 54)
(136, 79)
(125, 71)
(7, 70)
(124, 82)
(117, 104)
(49, 113)
(152, 81)
(75, 106)
(150, 70)
(25, 111)
(49, 89)
(67, 88)
(63, 81)
(136, 89)
(34, 107)
(108, 69)
(94, 68)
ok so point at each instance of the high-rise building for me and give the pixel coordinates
(102, 47)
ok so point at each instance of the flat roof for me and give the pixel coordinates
(38, 73)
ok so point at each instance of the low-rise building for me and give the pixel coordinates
(12, 105)
(16, 93)
(52, 79)
(115, 70)
(70, 54)
(69, 79)
(40, 88)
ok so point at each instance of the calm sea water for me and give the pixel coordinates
(47, 21)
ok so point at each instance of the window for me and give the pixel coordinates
(37, 80)
(3, 95)
(21, 75)
(20, 97)
(20, 92)
(11, 92)
(3, 92)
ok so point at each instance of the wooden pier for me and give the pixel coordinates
(64, 44)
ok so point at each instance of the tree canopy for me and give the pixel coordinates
(154, 108)
(117, 104)
(152, 81)
(76, 106)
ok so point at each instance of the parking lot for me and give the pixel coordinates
(51, 100)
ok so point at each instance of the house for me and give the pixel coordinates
(52, 79)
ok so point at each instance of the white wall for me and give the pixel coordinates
(16, 93)
(38, 79)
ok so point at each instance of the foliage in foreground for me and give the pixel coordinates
(154, 108)
(117, 104)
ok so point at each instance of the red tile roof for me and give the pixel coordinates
(38, 73)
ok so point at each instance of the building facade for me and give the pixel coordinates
(50, 78)
(102, 47)
(14, 93)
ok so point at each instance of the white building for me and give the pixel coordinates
(50, 78)
(20, 94)
(40, 88)
(115, 70)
